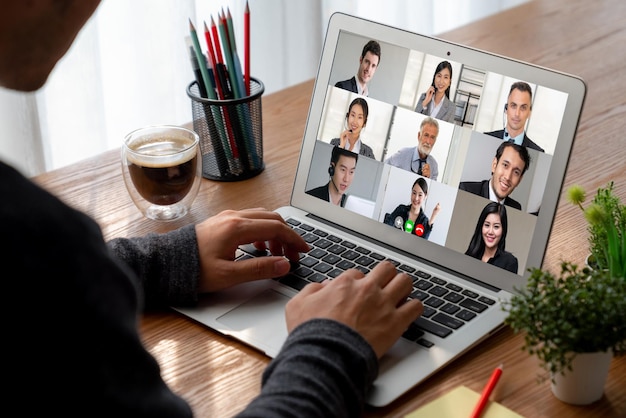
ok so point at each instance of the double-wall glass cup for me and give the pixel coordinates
(162, 168)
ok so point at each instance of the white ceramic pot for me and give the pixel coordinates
(584, 384)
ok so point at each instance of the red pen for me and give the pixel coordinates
(484, 397)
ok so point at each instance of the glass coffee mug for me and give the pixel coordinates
(162, 168)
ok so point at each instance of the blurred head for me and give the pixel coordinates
(368, 62)
(34, 36)
(508, 168)
(443, 77)
(427, 136)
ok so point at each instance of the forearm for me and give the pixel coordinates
(167, 265)
(324, 369)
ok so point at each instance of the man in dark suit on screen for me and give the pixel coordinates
(368, 63)
(507, 170)
(517, 108)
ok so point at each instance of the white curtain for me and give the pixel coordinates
(129, 66)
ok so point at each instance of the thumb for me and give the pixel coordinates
(259, 268)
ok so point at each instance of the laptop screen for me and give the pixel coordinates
(419, 170)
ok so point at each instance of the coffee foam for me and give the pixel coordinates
(160, 151)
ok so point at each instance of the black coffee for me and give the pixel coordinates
(168, 180)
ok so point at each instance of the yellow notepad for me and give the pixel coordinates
(459, 403)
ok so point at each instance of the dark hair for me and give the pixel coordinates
(522, 86)
(373, 47)
(441, 66)
(476, 246)
(422, 183)
(521, 150)
(363, 103)
(339, 151)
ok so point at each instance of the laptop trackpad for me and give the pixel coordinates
(260, 319)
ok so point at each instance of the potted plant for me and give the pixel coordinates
(574, 322)
(606, 225)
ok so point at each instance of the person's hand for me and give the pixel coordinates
(219, 236)
(426, 170)
(375, 305)
(436, 210)
(429, 95)
(345, 137)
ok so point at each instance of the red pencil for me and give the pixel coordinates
(212, 60)
(218, 50)
(484, 397)
(246, 34)
(220, 91)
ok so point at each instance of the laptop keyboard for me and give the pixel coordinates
(447, 306)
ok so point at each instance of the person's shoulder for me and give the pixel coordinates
(509, 261)
(395, 155)
(528, 143)
(405, 150)
(367, 151)
(509, 201)
(404, 207)
(316, 189)
(47, 209)
(345, 84)
(509, 255)
(319, 191)
(450, 110)
(470, 185)
(497, 134)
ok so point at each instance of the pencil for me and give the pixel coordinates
(196, 68)
(213, 61)
(219, 59)
(246, 52)
(233, 47)
(484, 397)
(210, 89)
(236, 79)
(218, 51)
(220, 92)
(227, 50)
(216, 119)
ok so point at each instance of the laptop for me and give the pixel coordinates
(462, 295)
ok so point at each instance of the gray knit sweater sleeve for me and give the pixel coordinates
(324, 369)
(167, 265)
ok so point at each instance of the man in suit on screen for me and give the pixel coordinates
(368, 63)
(507, 170)
(517, 109)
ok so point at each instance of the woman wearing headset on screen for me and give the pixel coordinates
(436, 101)
(356, 119)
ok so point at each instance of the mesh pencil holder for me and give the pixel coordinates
(231, 133)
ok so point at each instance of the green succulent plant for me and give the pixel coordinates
(606, 226)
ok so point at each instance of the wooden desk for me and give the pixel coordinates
(219, 376)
